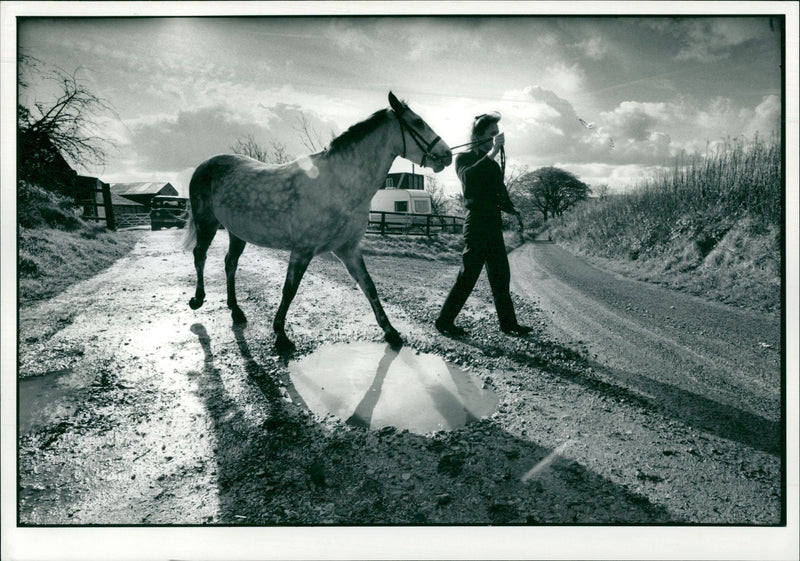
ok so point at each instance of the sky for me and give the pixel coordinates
(183, 89)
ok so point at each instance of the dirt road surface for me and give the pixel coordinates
(627, 405)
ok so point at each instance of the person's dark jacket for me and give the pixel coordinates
(485, 193)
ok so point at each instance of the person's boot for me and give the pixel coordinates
(449, 328)
(516, 329)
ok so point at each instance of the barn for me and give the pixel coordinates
(89, 195)
(143, 193)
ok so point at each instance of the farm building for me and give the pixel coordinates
(39, 161)
(143, 193)
(89, 195)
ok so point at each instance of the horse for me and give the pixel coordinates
(315, 204)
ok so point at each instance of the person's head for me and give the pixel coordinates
(485, 127)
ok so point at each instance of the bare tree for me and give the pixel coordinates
(64, 127)
(278, 153)
(440, 202)
(310, 136)
(247, 145)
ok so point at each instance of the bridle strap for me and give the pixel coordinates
(417, 138)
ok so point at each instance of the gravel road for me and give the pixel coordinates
(618, 409)
(712, 365)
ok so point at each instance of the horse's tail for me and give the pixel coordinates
(190, 236)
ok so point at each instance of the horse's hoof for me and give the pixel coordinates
(284, 345)
(238, 316)
(194, 303)
(394, 339)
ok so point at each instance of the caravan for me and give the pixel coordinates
(397, 206)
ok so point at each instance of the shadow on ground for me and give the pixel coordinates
(296, 469)
(693, 409)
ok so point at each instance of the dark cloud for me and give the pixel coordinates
(176, 142)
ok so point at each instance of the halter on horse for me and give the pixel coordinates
(315, 204)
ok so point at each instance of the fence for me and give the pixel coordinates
(385, 222)
(129, 220)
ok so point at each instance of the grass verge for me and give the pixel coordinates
(710, 226)
(51, 260)
(57, 249)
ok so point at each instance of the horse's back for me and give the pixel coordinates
(222, 166)
(251, 199)
(285, 206)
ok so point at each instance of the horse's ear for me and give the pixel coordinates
(395, 104)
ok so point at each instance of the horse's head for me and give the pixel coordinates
(420, 143)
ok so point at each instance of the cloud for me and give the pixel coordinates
(566, 80)
(765, 118)
(543, 128)
(348, 37)
(634, 121)
(175, 142)
(594, 47)
(722, 118)
(710, 39)
(541, 125)
(619, 178)
(188, 138)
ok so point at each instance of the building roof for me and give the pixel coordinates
(158, 188)
(117, 200)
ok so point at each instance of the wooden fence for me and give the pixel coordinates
(388, 223)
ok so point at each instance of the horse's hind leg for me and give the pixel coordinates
(353, 260)
(235, 249)
(205, 235)
(298, 263)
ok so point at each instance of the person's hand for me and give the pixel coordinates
(497, 144)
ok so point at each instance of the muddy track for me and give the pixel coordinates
(151, 413)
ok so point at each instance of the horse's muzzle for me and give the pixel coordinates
(439, 162)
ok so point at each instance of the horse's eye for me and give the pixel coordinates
(419, 123)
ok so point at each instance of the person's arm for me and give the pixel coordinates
(471, 176)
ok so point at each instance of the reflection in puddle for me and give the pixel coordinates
(373, 385)
(45, 400)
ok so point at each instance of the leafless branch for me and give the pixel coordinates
(309, 136)
(247, 145)
(65, 124)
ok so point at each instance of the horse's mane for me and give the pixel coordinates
(357, 132)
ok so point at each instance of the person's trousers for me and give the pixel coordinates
(486, 250)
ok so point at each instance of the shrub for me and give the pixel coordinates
(40, 207)
(680, 219)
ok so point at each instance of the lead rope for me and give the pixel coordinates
(503, 167)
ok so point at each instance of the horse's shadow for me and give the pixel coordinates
(294, 469)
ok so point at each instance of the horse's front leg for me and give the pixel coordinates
(353, 260)
(235, 250)
(298, 263)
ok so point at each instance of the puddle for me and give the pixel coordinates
(372, 385)
(46, 400)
